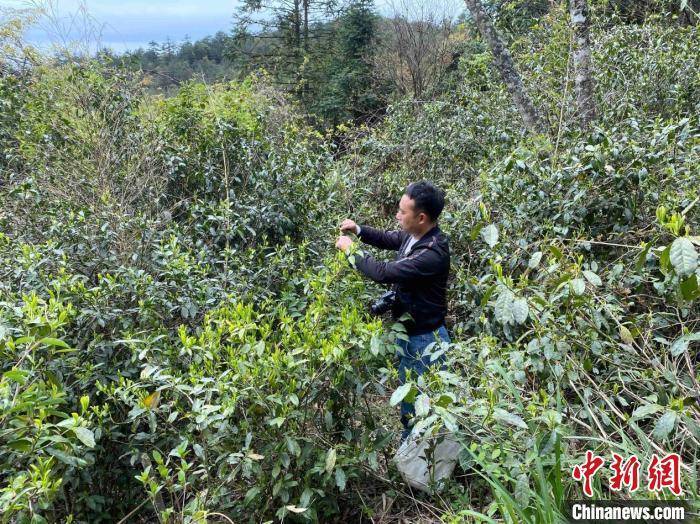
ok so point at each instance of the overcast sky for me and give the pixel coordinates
(128, 24)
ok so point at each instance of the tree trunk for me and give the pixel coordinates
(306, 26)
(296, 21)
(583, 82)
(504, 64)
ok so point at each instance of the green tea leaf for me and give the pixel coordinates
(65, 457)
(277, 421)
(645, 410)
(504, 307)
(422, 405)
(681, 344)
(578, 286)
(340, 479)
(522, 490)
(689, 288)
(375, 344)
(48, 341)
(593, 278)
(293, 446)
(400, 393)
(85, 436)
(683, 256)
(520, 310)
(330, 460)
(22, 444)
(665, 425)
(489, 234)
(509, 418)
(251, 494)
(152, 400)
(626, 335)
(642, 258)
(665, 260)
(556, 252)
(535, 260)
(16, 375)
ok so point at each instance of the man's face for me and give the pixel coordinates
(410, 221)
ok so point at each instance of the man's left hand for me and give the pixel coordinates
(343, 243)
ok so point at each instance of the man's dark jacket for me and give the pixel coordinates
(419, 277)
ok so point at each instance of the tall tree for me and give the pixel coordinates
(504, 64)
(348, 89)
(416, 49)
(278, 34)
(584, 85)
(319, 50)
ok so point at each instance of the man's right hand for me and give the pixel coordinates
(348, 226)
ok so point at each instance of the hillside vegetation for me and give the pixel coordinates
(180, 342)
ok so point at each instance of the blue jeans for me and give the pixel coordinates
(413, 357)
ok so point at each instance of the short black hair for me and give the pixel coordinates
(426, 198)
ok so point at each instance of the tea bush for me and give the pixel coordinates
(574, 328)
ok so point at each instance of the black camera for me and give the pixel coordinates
(383, 303)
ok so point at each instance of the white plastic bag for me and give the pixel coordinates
(415, 468)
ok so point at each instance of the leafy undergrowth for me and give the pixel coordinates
(575, 306)
(253, 411)
(178, 342)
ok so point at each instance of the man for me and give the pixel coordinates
(418, 276)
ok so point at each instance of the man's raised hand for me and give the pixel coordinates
(348, 226)
(343, 243)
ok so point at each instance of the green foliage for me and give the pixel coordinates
(47, 436)
(159, 297)
(518, 16)
(657, 70)
(265, 425)
(166, 65)
(649, 69)
(571, 317)
(346, 88)
(11, 92)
